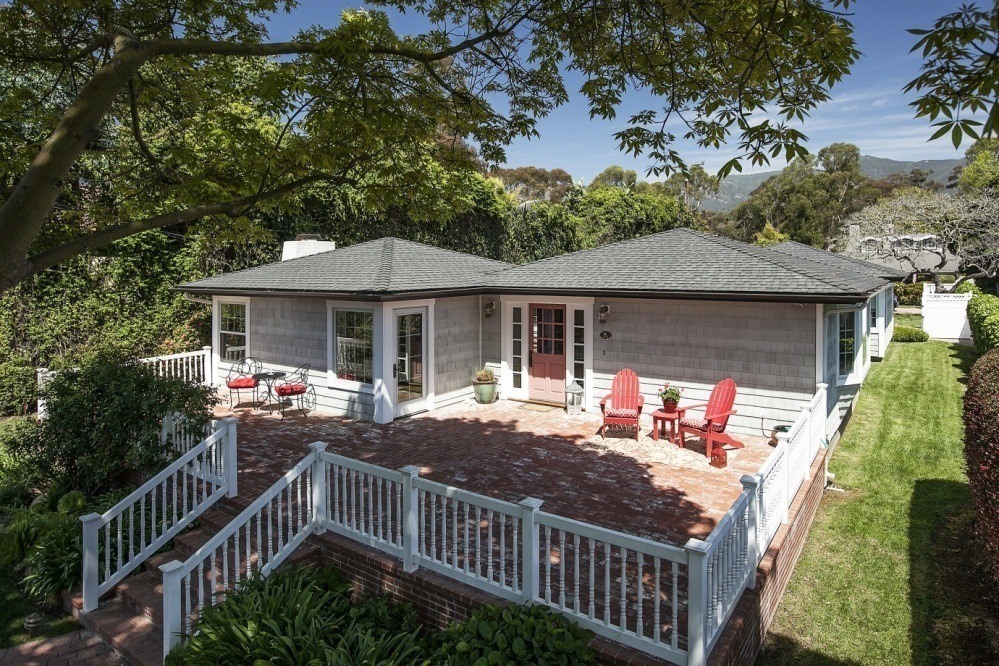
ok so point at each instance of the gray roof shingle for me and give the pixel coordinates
(839, 261)
(680, 262)
(378, 267)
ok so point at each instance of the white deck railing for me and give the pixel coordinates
(724, 564)
(124, 536)
(257, 540)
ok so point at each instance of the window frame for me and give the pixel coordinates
(333, 381)
(219, 331)
(844, 377)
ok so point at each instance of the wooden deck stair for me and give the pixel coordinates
(130, 619)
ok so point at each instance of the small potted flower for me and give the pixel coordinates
(484, 384)
(670, 395)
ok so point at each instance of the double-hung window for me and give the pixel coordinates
(353, 336)
(847, 342)
(232, 331)
(873, 305)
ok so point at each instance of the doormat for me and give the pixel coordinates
(537, 408)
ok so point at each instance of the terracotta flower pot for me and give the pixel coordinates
(669, 405)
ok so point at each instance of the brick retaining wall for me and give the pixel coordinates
(742, 638)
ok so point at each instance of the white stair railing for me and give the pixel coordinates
(256, 541)
(124, 536)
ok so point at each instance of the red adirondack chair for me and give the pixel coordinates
(623, 406)
(716, 412)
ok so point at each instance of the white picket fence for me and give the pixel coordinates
(192, 366)
(124, 536)
(668, 601)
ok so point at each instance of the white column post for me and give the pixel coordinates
(785, 480)
(231, 458)
(319, 487)
(207, 369)
(165, 428)
(806, 412)
(751, 484)
(172, 613)
(410, 519)
(529, 561)
(91, 561)
(697, 602)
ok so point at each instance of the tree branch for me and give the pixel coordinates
(97, 239)
(137, 133)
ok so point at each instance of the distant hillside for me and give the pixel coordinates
(737, 188)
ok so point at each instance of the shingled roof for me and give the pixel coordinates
(839, 261)
(371, 269)
(680, 263)
(685, 262)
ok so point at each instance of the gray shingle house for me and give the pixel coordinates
(391, 327)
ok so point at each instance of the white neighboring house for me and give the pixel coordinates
(390, 327)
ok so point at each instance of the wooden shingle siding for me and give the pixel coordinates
(290, 331)
(456, 343)
(767, 348)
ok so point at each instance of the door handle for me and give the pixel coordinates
(395, 370)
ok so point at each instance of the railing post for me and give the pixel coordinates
(172, 613)
(165, 429)
(41, 377)
(697, 602)
(207, 369)
(319, 487)
(806, 413)
(783, 439)
(91, 561)
(410, 520)
(530, 564)
(751, 484)
(231, 459)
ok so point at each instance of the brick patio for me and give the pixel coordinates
(510, 450)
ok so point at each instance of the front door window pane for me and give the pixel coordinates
(409, 364)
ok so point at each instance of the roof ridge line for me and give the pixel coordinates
(445, 249)
(879, 268)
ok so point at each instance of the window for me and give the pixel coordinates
(232, 331)
(578, 347)
(874, 310)
(847, 342)
(518, 347)
(352, 345)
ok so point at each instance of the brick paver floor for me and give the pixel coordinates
(510, 450)
(75, 648)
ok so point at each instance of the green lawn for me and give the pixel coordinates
(913, 320)
(888, 574)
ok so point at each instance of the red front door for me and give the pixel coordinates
(547, 361)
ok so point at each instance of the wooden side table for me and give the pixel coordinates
(659, 419)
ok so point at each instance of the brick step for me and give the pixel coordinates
(134, 635)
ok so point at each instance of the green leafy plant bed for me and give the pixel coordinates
(909, 334)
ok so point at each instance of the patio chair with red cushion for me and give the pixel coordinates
(296, 385)
(716, 412)
(240, 378)
(623, 406)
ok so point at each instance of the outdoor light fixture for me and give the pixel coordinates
(603, 313)
(574, 398)
(488, 308)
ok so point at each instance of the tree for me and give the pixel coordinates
(960, 73)
(963, 226)
(981, 173)
(610, 214)
(199, 131)
(693, 186)
(529, 183)
(840, 157)
(615, 176)
(768, 236)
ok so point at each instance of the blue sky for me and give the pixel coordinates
(867, 108)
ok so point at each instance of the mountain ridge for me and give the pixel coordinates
(736, 188)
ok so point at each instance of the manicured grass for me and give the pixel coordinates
(888, 573)
(913, 320)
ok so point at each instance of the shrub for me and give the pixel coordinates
(981, 452)
(300, 616)
(909, 293)
(18, 389)
(103, 420)
(967, 287)
(17, 478)
(983, 318)
(909, 334)
(55, 562)
(515, 635)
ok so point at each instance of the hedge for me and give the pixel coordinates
(909, 334)
(981, 453)
(983, 318)
(18, 389)
(909, 293)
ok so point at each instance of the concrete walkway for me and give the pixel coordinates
(76, 647)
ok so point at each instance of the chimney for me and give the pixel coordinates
(305, 245)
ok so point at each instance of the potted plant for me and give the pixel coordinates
(670, 395)
(484, 384)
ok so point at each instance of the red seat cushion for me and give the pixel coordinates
(242, 383)
(621, 413)
(291, 389)
(699, 424)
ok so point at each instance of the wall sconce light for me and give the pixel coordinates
(603, 313)
(488, 308)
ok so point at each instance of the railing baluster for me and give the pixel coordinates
(575, 580)
(624, 588)
(548, 563)
(465, 537)
(478, 541)
(593, 588)
(641, 589)
(561, 569)
(515, 551)
(454, 535)
(489, 545)
(444, 543)
(607, 584)
(502, 549)
(656, 607)
(433, 526)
